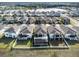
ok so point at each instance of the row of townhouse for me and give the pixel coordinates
(74, 12)
(41, 12)
(12, 12)
(13, 20)
(35, 12)
(41, 34)
(36, 20)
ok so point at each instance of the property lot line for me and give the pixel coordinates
(44, 47)
(66, 43)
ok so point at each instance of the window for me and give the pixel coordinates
(57, 35)
(23, 35)
(38, 35)
(72, 36)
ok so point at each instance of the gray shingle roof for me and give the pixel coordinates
(26, 28)
(31, 20)
(67, 30)
(11, 30)
(40, 29)
(76, 29)
(53, 30)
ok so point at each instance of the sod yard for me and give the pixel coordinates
(23, 43)
(6, 44)
(73, 51)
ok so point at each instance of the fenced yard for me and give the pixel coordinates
(40, 52)
(23, 43)
(6, 44)
(43, 53)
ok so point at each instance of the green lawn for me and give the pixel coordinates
(29, 43)
(2, 45)
(6, 44)
(24, 43)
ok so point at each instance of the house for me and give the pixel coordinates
(55, 35)
(48, 20)
(40, 20)
(65, 20)
(74, 13)
(31, 20)
(9, 32)
(9, 20)
(68, 32)
(40, 35)
(54, 32)
(6, 12)
(1, 12)
(76, 28)
(39, 14)
(55, 20)
(19, 13)
(12, 12)
(55, 14)
(30, 13)
(25, 32)
(23, 20)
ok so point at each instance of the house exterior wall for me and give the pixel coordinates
(53, 36)
(70, 38)
(25, 37)
(12, 35)
(41, 40)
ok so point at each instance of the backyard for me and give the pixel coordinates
(6, 44)
(43, 53)
(23, 44)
